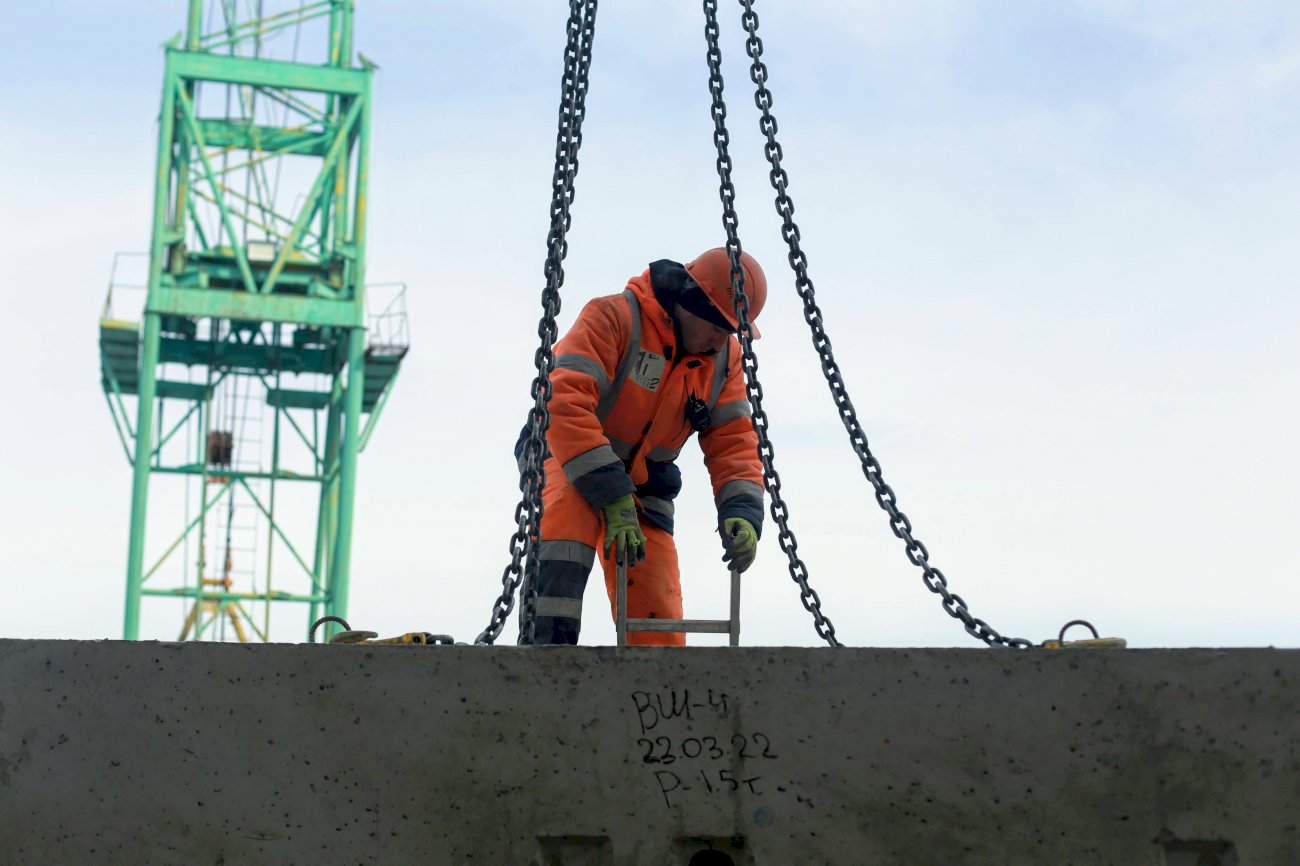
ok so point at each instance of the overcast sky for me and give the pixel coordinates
(1055, 244)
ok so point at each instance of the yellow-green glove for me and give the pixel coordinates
(741, 542)
(623, 531)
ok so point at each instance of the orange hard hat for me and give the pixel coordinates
(712, 271)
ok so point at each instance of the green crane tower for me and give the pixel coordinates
(256, 371)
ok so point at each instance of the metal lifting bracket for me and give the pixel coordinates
(623, 624)
(1097, 642)
(349, 636)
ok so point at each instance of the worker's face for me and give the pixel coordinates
(698, 336)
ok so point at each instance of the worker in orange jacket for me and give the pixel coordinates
(635, 376)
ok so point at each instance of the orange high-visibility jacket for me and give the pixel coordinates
(619, 410)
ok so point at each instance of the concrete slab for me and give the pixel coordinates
(114, 752)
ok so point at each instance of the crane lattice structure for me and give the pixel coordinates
(256, 372)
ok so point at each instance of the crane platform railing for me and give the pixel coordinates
(388, 330)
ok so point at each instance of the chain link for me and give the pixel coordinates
(581, 30)
(898, 521)
(754, 389)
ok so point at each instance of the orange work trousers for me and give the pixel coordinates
(572, 538)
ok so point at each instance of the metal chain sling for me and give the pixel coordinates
(754, 390)
(581, 29)
(898, 521)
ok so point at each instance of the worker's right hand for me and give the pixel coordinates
(623, 531)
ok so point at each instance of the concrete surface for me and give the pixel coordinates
(142, 753)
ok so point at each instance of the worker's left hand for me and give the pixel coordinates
(741, 542)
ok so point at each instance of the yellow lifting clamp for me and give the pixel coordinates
(1097, 642)
(349, 636)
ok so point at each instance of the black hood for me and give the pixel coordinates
(669, 281)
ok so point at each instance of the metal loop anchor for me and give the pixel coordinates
(349, 636)
(1061, 637)
(1095, 642)
(311, 635)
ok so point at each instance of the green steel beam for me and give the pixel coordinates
(272, 528)
(376, 412)
(181, 390)
(116, 389)
(361, 207)
(200, 593)
(148, 366)
(342, 571)
(194, 217)
(288, 398)
(327, 511)
(213, 268)
(205, 428)
(193, 23)
(234, 135)
(140, 478)
(117, 424)
(160, 412)
(254, 307)
(198, 66)
(342, 566)
(263, 157)
(199, 469)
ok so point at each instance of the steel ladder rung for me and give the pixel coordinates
(710, 626)
(623, 624)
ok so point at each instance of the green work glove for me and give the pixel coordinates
(623, 531)
(740, 539)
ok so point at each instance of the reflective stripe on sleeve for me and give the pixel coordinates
(590, 461)
(729, 412)
(567, 551)
(586, 365)
(622, 450)
(610, 397)
(659, 506)
(660, 454)
(732, 489)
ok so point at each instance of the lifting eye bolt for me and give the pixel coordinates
(1097, 642)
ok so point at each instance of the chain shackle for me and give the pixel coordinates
(901, 526)
(522, 568)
